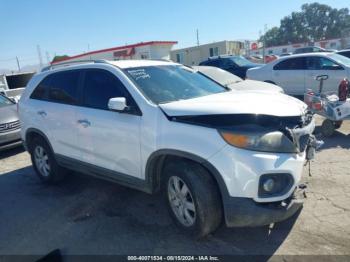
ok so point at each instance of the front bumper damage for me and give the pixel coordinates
(304, 140)
(245, 212)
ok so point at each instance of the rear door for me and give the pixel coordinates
(290, 75)
(108, 139)
(319, 65)
(55, 101)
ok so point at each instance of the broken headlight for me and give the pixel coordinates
(274, 141)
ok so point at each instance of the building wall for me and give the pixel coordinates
(196, 54)
(154, 51)
(337, 44)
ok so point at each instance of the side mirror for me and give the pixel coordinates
(117, 104)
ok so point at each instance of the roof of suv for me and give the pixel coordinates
(120, 63)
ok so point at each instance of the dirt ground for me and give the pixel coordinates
(89, 216)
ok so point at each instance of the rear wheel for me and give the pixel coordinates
(44, 162)
(192, 197)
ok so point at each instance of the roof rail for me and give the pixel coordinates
(72, 62)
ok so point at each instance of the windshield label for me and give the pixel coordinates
(139, 74)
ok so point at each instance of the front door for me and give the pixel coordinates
(290, 75)
(108, 139)
(323, 66)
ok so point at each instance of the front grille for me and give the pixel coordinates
(9, 126)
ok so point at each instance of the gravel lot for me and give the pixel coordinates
(89, 216)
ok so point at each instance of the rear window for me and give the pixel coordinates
(298, 63)
(61, 87)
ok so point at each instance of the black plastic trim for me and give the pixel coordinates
(103, 173)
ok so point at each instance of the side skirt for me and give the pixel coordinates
(103, 173)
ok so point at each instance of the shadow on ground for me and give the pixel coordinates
(84, 215)
(11, 152)
(338, 139)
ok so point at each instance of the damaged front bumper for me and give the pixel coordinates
(245, 212)
(304, 140)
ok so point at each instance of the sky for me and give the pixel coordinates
(75, 26)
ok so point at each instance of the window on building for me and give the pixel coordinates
(284, 50)
(180, 57)
(270, 52)
(214, 51)
(333, 45)
(145, 55)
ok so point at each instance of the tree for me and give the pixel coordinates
(314, 22)
(59, 57)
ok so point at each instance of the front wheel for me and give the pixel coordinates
(192, 197)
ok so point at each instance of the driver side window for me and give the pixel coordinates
(99, 86)
(322, 63)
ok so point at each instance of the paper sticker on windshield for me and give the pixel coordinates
(139, 74)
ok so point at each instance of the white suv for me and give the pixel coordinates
(157, 126)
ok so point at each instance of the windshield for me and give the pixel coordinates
(340, 59)
(241, 61)
(163, 84)
(4, 101)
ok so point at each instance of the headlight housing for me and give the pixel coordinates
(270, 141)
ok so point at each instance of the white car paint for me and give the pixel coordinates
(124, 143)
(236, 83)
(297, 81)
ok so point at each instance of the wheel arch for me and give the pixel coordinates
(32, 133)
(157, 159)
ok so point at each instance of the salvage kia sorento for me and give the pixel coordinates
(215, 154)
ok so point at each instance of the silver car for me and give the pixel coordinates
(9, 124)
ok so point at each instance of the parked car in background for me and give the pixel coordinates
(255, 59)
(297, 73)
(215, 154)
(345, 52)
(10, 135)
(237, 65)
(285, 54)
(12, 85)
(311, 49)
(270, 58)
(236, 83)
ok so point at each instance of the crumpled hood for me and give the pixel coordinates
(249, 102)
(8, 114)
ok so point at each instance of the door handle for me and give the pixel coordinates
(42, 113)
(84, 122)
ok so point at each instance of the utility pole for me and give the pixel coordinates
(264, 42)
(39, 56)
(48, 59)
(19, 67)
(197, 38)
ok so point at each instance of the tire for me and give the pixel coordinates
(44, 162)
(327, 128)
(337, 124)
(201, 202)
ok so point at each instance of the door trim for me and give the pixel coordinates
(103, 173)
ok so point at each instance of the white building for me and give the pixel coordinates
(143, 50)
(196, 54)
(337, 43)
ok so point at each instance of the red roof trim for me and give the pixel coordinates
(117, 48)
